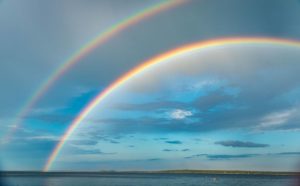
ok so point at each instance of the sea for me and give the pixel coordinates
(150, 180)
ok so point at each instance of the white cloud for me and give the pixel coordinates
(180, 114)
(277, 118)
(205, 83)
(45, 137)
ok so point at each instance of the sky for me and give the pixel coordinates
(226, 107)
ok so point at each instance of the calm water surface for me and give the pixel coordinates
(152, 179)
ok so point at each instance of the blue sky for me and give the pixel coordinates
(233, 107)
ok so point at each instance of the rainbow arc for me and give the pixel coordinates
(159, 59)
(86, 49)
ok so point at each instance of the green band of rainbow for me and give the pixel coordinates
(84, 51)
(150, 63)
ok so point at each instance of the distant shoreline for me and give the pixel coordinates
(105, 173)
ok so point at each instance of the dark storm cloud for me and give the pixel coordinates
(236, 143)
(175, 142)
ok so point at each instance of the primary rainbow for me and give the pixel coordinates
(150, 63)
(86, 49)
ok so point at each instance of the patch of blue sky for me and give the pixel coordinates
(128, 93)
(272, 138)
(79, 102)
(223, 107)
(187, 89)
(232, 91)
(131, 114)
(291, 96)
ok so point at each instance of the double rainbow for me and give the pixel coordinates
(84, 51)
(165, 57)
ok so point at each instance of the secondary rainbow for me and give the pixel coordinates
(85, 50)
(150, 63)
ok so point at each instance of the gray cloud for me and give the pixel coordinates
(84, 142)
(185, 150)
(212, 100)
(149, 106)
(82, 151)
(51, 118)
(160, 139)
(288, 153)
(169, 150)
(145, 124)
(154, 159)
(113, 141)
(175, 142)
(98, 135)
(226, 156)
(196, 156)
(176, 150)
(236, 143)
(238, 156)
(222, 156)
(203, 103)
